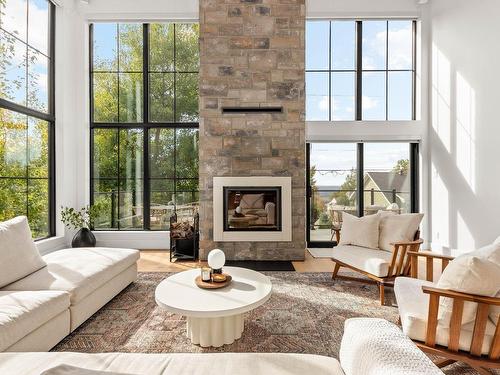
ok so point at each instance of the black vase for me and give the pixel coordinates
(83, 238)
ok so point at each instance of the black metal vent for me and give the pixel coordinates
(252, 109)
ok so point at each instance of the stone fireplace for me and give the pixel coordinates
(252, 126)
(264, 209)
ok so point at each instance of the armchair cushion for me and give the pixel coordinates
(397, 228)
(360, 231)
(19, 256)
(413, 306)
(373, 261)
(468, 274)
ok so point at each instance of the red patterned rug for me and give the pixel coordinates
(305, 314)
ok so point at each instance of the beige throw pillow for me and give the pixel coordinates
(467, 274)
(360, 231)
(252, 201)
(397, 228)
(19, 256)
(491, 253)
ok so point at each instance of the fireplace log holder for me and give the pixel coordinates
(185, 248)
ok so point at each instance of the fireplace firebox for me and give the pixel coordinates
(256, 208)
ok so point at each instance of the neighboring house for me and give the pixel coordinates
(388, 187)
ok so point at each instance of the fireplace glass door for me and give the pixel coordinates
(252, 208)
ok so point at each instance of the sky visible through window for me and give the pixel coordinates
(24, 28)
(387, 70)
(334, 161)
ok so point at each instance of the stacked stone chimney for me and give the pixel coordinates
(252, 55)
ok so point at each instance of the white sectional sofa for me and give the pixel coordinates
(43, 299)
(369, 347)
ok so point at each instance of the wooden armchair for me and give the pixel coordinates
(478, 345)
(380, 266)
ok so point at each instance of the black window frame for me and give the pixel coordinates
(358, 69)
(414, 147)
(48, 116)
(146, 125)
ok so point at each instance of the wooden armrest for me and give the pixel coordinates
(403, 243)
(430, 254)
(463, 296)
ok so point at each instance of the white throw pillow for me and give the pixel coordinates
(491, 253)
(397, 228)
(360, 231)
(19, 256)
(488, 252)
(467, 274)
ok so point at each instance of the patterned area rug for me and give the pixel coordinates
(305, 314)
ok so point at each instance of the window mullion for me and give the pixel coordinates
(359, 69)
(146, 195)
(360, 179)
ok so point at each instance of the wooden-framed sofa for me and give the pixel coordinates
(380, 266)
(476, 343)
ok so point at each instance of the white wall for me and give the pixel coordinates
(464, 131)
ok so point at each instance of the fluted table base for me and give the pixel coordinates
(215, 331)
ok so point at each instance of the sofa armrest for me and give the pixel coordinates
(494, 301)
(376, 346)
(455, 327)
(429, 264)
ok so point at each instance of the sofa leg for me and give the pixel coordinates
(382, 293)
(335, 271)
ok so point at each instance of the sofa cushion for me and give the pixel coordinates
(360, 231)
(413, 306)
(23, 312)
(73, 370)
(397, 228)
(18, 254)
(175, 363)
(468, 274)
(373, 261)
(78, 271)
(376, 346)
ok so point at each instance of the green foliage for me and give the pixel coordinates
(82, 218)
(402, 167)
(347, 197)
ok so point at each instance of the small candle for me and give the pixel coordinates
(205, 274)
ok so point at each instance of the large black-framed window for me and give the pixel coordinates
(360, 178)
(27, 113)
(144, 123)
(361, 70)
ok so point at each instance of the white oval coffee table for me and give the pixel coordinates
(214, 316)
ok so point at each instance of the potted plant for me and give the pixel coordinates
(82, 220)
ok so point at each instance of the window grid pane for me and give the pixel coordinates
(387, 48)
(26, 154)
(130, 197)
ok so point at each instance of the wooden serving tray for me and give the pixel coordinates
(211, 284)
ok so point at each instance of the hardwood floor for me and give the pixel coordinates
(159, 261)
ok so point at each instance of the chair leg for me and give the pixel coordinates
(382, 293)
(335, 271)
